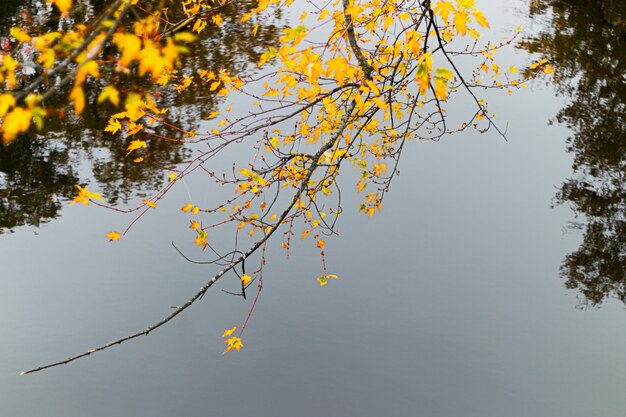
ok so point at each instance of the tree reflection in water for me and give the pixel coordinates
(586, 43)
(38, 170)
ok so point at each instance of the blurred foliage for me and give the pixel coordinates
(586, 42)
(38, 171)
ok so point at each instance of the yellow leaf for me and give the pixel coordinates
(245, 279)
(113, 236)
(229, 332)
(134, 145)
(460, 21)
(109, 93)
(78, 95)
(480, 18)
(138, 160)
(171, 176)
(199, 26)
(233, 343)
(320, 244)
(186, 207)
(184, 37)
(201, 238)
(195, 210)
(443, 9)
(20, 35)
(129, 45)
(217, 19)
(323, 280)
(194, 225)
(64, 6)
(548, 69)
(6, 102)
(513, 69)
(16, 122)
(149, 203)
(46, 58)
(84, 196)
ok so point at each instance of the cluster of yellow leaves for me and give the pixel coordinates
(233, 342)
(188, 207)
(255, 181)
(460, 14)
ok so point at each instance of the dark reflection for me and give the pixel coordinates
(586, 43)
(38, 171)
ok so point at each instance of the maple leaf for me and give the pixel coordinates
(480, 18)
(233, 343)
(229, 332)
(84, 196)
(134, 145)
(443, 9)
(129, 45)
(113, 236)
(113, 126)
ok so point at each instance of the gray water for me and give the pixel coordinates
(448, 303)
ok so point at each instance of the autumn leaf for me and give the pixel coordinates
(172, 176)
(85, 196)
(323, 280)
(217, 19)
(480, 18)
(6, 102)
(186, 207)
(149, 203)
(245, 279)
(109, 93)
(232, 343)
(113, 126)
(194, 225)
(134, 145)
(129, 45)
(229, 332)
(78, 96)
(16, 122)
(113, 236)
(64, 6)
(444, 9)
(201, 238)
(20, 35)
(320, 244)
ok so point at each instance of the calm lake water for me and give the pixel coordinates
(452, 302)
